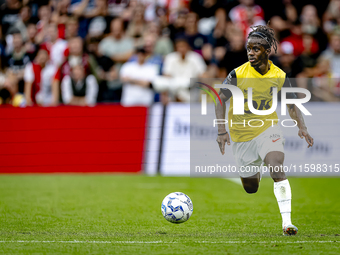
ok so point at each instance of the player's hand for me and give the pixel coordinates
(303, 133)
(221, 140)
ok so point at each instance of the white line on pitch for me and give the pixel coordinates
(162, 242)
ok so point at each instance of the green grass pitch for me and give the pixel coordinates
(121, 214)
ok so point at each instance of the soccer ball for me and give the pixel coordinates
(177, 207)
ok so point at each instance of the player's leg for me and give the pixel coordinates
(274, 161)
(251, 184)
(249, 163)
(282, 190)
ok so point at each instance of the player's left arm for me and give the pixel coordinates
(296, 115)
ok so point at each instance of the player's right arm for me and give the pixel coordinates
(223, 135)
(220, 111)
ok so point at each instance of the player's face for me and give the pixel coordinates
(257, 54)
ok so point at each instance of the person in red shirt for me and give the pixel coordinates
(301, 41)
(54, 46)
(246, 14)
(32, 76)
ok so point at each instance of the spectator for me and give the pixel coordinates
(71, 28)
(9, 14)
(111, 85)
(304, 64)
(98, 26)
(9, 92)
(290, 12)
(252, 20)
(212, 16)
(311, 25)
(286, 58)
(332, 53)
(244, 13)
(184, 62)
(22, 21)
(178, 68)
(55, 46)
(118, 8)
(331, 18)
(44, 15)
(238, 14)
(149, 47)
(236, 53)
(282, 21)
(3, 61)
(116, 46)
(89, 9)
(162, 44)
(60, 15)
(177, 27)
(18, 59)
(137, 25)
(137, 78)
(31, 45)
(76, 56)
(106, 73)
(324, 87)
(198, 42)
(296, 38)
(78, 88)
(38, 81)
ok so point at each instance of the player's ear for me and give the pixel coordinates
(268, 50)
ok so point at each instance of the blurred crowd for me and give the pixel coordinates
(137, 52)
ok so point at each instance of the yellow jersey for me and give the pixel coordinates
(245, 77)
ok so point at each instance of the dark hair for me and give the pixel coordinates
(265, 33)
(105, 63)
(181, 38)
(13, 31)
(140, 50)
(31, 21)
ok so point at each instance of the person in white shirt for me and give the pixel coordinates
(332, 54)
(137, 78)
(79, 89)
(179, 67)
(183, 63)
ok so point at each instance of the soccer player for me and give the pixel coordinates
(254, 145)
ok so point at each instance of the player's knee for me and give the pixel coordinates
(277, 174)
(278, 178)
(251, 189)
